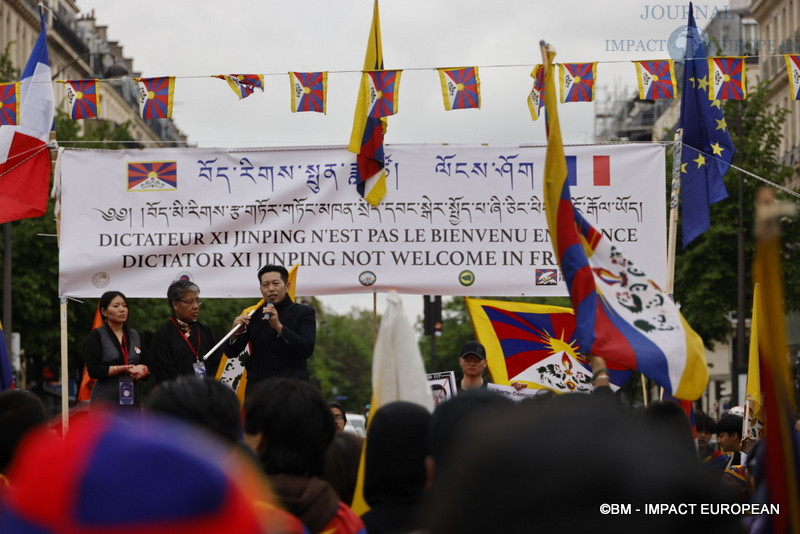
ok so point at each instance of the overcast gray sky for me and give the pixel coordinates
(194, 39)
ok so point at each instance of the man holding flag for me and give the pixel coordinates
(281, 334)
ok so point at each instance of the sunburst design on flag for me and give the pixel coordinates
(155, 97)
(728, 78)
(308, 91)
(153, 176)
(577, 81)
(384, 85)
(656, 79)
(9, 104)
(83, 99)
(461, 88)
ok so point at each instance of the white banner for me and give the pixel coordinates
(456, 220)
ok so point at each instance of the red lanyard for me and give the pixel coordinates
(124, 347)
(195, 351)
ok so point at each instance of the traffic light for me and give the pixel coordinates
(432, 318)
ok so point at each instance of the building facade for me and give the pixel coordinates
(80, 49)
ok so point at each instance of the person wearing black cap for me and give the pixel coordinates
(473, 362)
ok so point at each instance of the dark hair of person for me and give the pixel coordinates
(334, 404)
(107, 297)
(668, 417)
(274, 269)
(203, 402)
(20, 412)
(704, 422)
(730, 423)
(179, 288)
(295, 423)
(341, 464)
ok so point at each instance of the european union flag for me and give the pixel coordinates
(707, 148)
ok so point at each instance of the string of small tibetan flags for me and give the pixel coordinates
(460, 88)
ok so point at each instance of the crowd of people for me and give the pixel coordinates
(191, 458)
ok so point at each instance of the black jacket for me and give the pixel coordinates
(273, 355)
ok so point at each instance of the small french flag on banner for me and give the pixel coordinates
(601, 170)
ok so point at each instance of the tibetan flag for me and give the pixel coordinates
(153, 176)
(793, 70)
(383, 86)
(6, 374)
(755, 412)
(83, 97)
(620, 314)
(536, 96)
(707, 147)
(24, 157)
(231, 369)
(243, 84)
(366, 140)
(656, 79)
(87, 382)
(155, 97)
(535, 344)
(781, 444)
(577, 81)
(309, 91)
(461, 88)
(9, 104)
(727, 78)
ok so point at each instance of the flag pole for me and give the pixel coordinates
(674, 199)
(64, 370)
(232, 331)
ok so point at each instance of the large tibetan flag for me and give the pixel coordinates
(707, 148)
(461, 88)
(24, 156)
(83, 97)
(309, 91)
(793, 70)
(727, 78)
(781, 443)
(398, 374)
(9, 104)
(535, 344)
(536, 96)
(231, 369)
(577, 81)
(6, 375)
(155, 97)
(243, 85)
(621, 315)
(656, 79)
(366, 140)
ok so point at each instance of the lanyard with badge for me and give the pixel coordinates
(125, 381)
(198, 366)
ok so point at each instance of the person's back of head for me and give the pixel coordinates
(561, 466)
(291, 426)
(341, 464)
(20, 412)
(668, 417)
(206, 403)
(456, 415)
(397, 445)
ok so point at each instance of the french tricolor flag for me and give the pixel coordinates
(24, 156)
(601, 170)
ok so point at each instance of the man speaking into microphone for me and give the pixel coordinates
(281, 333)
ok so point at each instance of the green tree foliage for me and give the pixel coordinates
(706, 271)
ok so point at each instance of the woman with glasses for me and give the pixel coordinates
(180, 344)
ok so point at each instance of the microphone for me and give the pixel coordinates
(265, 314)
